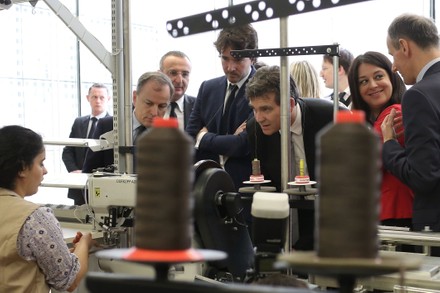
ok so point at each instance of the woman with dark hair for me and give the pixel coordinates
(376, 89)
(33, 254)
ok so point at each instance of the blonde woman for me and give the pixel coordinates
(306, 78)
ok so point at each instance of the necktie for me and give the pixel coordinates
(172, 111)
(138, 132)
(341, 96)
(224, 127)
(92, 127)
(342, 100)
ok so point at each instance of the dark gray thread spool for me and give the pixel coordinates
(164, 208)
(349, 189)
(256, 167)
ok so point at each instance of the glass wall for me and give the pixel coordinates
(45, 71)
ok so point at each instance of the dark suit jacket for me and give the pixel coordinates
(188, 105)
(316, 114)
(207, 112)
(418, 163)
(73, 157)
(94, 160)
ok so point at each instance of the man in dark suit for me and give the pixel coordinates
(100, 159)
(221, 110)
(150, 99)
(73, 157)
(308, 117)
(413, 42)
(177, 66)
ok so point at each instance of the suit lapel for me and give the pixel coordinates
(219, 101)
(84, 126)
(187, 108)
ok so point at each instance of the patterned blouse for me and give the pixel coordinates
(41, 239)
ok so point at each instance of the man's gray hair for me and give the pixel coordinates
(419, 29)
(157, 76)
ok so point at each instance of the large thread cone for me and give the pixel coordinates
(349, 191)
(164, 208)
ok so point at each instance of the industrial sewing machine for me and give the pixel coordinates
(112, 198)
(111, 209)
(218, 224)
(110, 205)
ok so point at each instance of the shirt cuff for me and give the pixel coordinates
(199, 139)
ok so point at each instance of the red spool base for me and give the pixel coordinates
(146, 255)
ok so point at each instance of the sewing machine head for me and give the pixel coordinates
(112, 198)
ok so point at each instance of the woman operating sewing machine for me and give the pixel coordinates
(33, 254)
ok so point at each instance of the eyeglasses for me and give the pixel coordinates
(174, 73)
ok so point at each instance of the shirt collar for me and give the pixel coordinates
(102, 115)
(7, 192)
(347, 93)
(242, 81)
(179, 103)
(136, 122)
(426, 67)
(296, 126)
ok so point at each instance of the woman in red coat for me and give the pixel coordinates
(376, 89)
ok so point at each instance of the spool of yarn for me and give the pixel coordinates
(349, 189)
(256, 167)
(164, 208)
